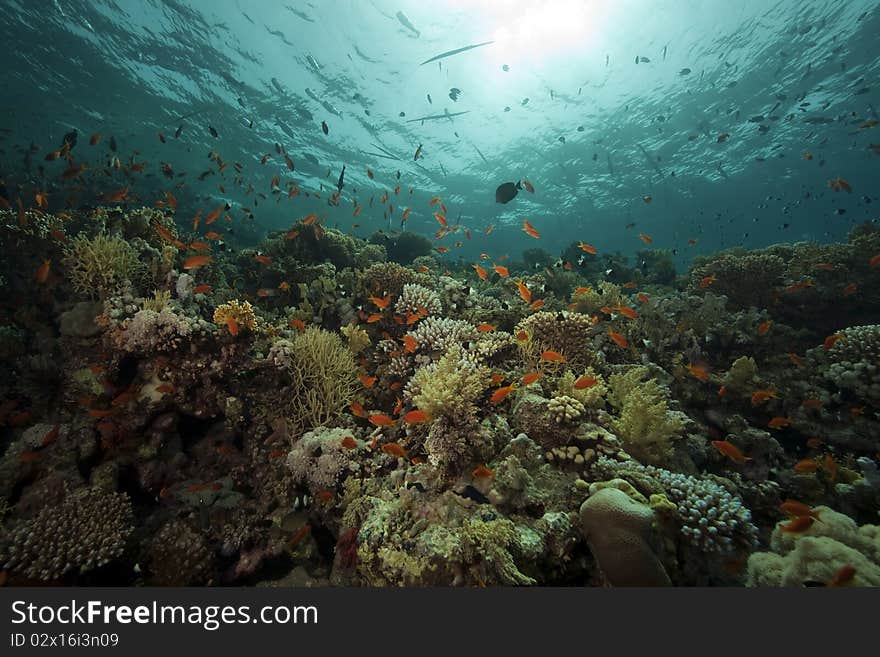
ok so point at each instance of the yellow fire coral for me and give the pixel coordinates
(240, 311)
(98, 266)
(322, 371)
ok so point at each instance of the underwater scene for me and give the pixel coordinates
(464, 293)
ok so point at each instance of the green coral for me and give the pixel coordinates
(645, 424)
(98, 266)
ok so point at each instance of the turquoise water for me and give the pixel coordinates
(781, 80)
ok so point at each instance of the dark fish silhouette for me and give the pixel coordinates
(507, 192)
(450, 53)
(341, 184)
(212, 131)
(325, 128)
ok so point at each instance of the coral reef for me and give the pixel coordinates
(296, 408)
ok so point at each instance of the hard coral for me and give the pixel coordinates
(322, 374)
(416, 298)
(240, 311)
(88, 529)
(564, 332)
(818, 554)
(620, 533)
(98, 266)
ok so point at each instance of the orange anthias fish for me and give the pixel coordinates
(357, 409)
(806, 466)
(698, 372)
(627, 312)
(501, 394)
(552, 357)
(706, 281)
(585, 382)
(381, 303)
(197, 261)
(763, 327)
(645, 238)
(797, 361)
(482, 273)
(842, 577)
(524, 292)
(849, 290)
(42, 274)
(490, 229)
(587, 248)
(779, 422)
(798, 525)
(798, 509)
(298, 324)
(394, 449)
(642, 297)
(434, 201)
(730, 450)
(619, 340)
(263, 259)
(530, 378)
(501, 271)
(831, 340)
(232, 325)
(760, 396)
(215, 213)
(409, 344)
(874, 262)
(482, 472)
(381, 420)
(529, 230)
(538, 303)
(486, 328)
(416, 417)
(368, 381)
(838, 184)
(830, 466)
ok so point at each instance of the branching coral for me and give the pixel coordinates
(87, 530)
(439, 335)
(98, 266)
(416, 298)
